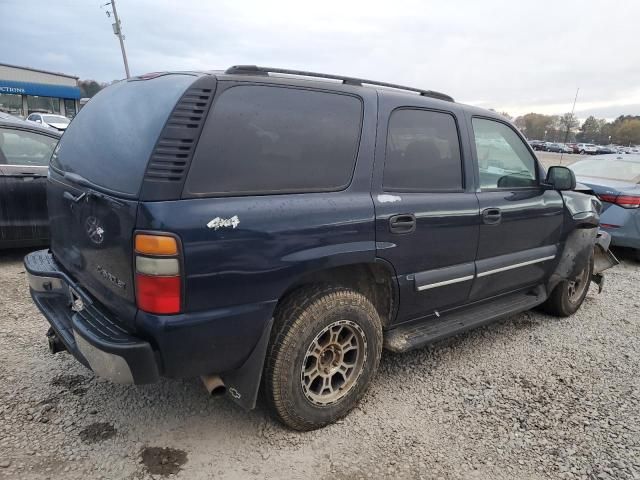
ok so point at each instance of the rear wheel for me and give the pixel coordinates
(567, 297)
(323, 354)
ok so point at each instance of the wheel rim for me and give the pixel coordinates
(577, 286)
(333, 362)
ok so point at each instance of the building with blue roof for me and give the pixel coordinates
(25, 90)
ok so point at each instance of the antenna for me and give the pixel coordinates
(566, 135)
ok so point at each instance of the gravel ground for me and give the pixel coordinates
(531, 397)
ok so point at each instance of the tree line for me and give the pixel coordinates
(624, 130)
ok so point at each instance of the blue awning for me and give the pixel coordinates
(39, 89)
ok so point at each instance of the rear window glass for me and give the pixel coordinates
(618, 169)
(110, 140)
(423, 152)
(262, 139)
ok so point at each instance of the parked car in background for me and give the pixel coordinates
(573, 147)
(57, 122)
(278, 227)
(615, 180)
(25, 150)
(537, 144)
(587, 149)
(604, 150)
(558, 148)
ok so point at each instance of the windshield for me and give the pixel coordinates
(110, 140)
(619, 169)
(56, 119)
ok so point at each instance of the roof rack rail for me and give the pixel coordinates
(255, 70)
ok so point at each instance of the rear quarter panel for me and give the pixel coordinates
(278, 239)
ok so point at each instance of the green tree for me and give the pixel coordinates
(534, 126)
(568, 124)
(591, 130)
(627, 132)
(88, 88)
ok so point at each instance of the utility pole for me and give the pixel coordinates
(117, 29)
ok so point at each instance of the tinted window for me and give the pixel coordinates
(18, 147)
(110, 140)
(261, 139)
(423, 152)
(503, 158)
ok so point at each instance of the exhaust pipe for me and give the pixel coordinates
(214, 385)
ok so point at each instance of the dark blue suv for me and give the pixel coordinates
(277, 229)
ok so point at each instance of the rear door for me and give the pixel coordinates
(521, 221)
(426, 209)
(24, 156)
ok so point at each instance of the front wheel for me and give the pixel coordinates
(567, 297)
(323, 354)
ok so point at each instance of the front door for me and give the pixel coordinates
(521, 221)
(427, 217)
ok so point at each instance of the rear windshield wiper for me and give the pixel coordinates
(79, 179)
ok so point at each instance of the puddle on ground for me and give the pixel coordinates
(163, 461)
(97, 432)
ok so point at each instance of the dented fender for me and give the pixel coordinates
(584, 241)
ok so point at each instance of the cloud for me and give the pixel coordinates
(513, 56)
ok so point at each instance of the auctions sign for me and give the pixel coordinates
(13, 90)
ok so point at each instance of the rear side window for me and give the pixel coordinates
(109, 142)
(423, 152)
(262, 139)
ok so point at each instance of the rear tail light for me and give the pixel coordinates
(158, 273)
(624, 201)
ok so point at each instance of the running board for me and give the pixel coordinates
(418, 334)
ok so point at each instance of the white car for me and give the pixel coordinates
(59, 122)
(588, 148)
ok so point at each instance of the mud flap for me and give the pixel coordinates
(243, 384)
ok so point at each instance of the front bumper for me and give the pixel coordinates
(89, 333)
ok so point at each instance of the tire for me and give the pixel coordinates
(567, 297)
(581, 152)
(334, 334)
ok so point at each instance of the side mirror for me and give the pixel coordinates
(561, 178)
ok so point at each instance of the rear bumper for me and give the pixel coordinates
(89, 333)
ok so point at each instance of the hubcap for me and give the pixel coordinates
(578, 285)
(333, 362)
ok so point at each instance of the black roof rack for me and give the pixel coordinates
(255, 70)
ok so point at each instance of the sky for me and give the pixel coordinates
(513, 56)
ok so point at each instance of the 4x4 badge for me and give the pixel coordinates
(218, 222)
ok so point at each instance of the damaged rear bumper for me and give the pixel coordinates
(603, 258)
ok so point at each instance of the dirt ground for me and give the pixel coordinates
(531, 397)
